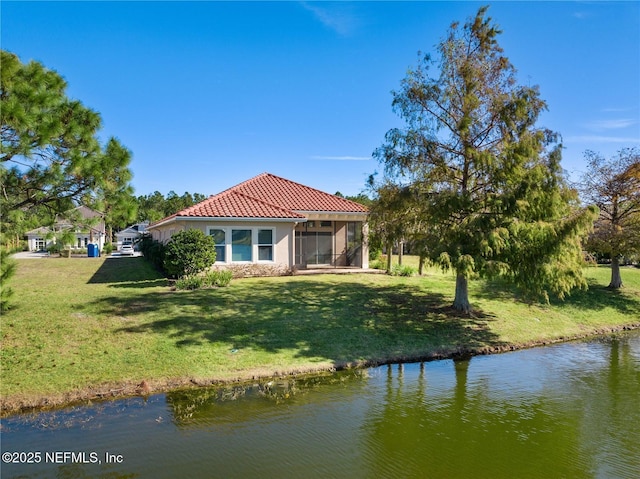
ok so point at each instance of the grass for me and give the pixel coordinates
(93, 327)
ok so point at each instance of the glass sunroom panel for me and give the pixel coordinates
(325, 248)
(241, 245)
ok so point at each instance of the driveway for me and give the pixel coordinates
(30, 255)
(117, 254)
(40, 255)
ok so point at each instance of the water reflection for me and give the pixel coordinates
(200, 408)
(570, 410)
(463, 429)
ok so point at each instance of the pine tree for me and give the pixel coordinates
(114, 196)
(50, 156)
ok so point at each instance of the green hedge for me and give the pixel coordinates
(188, 253)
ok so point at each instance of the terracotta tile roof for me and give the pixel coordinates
(268, 196)
(294, 196)
(233, 204)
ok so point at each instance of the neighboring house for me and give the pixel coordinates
(273, 221)
(131, 234)
(87, 225)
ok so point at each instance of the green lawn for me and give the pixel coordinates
(83, 327)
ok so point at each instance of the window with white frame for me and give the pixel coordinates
(241, 245)
(265, 245)
(220, 239)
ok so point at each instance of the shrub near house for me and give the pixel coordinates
(188, 253)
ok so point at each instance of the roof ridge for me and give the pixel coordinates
(260, 200)
(267, 174)
(242, 183)
(209, 198)
(185, 211)
(233, 190)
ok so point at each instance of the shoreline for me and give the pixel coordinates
(10, 406)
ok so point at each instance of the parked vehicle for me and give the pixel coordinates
(126, 249)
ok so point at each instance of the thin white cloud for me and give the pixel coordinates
(336, 18)
(600, 139)
(342, 158)
(616, 110)
(613, 124)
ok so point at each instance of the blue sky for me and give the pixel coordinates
(208, 94)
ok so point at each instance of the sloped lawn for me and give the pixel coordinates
(99, 327)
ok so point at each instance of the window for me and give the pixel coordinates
(246, 245)
(241, 245)
(265, 245)
(220, 239)
(325, 224)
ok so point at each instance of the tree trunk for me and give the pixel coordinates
(421, 265)
(389, 256)
(461, 301)
(400, 252)
(616, 279)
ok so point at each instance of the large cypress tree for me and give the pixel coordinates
(489, 179)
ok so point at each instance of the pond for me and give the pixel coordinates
(569, 410)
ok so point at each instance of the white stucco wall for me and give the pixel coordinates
(282, 237)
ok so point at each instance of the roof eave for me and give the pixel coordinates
(227, 218)
(341, 214)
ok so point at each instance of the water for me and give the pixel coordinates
(570, 410)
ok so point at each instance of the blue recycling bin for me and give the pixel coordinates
(92, 250)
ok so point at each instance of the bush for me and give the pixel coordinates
(107, 248)
(377, 264)
(218, 278)
(189, 282)
(402, 270)
(188, 253)
(375, 254)
(213, 279)
(153, 251)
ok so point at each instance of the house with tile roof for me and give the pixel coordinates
(273, 221)
(87, 225)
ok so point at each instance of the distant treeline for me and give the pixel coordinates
(156, 206)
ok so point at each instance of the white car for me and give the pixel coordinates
(126, 249)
